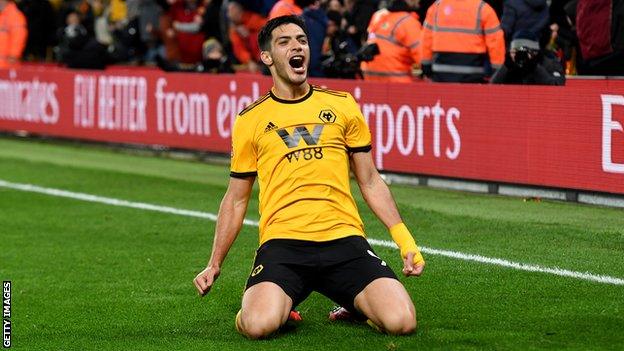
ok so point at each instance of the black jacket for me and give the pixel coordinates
(531, 15)
(546, 72)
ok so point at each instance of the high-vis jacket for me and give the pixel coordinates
(13, 35)
(285, 8)
(246, 48)
(458, 37)
(398, 36)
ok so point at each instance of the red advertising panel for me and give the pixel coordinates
(567, 137)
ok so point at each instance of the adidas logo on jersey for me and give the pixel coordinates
(271, 126)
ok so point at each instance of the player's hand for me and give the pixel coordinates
(413, 264)
(205, 279)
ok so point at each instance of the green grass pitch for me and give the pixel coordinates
(90, 276)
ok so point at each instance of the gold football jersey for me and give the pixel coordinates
(299, 151)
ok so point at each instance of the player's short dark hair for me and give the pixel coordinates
(264, 37)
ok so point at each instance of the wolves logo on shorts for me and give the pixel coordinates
(257, 270)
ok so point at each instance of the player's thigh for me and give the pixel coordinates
(386, 302)
(279, 263)
(351, 265)
(275, 285)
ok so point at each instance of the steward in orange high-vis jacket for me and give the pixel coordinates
(458, 37)
(13, 34)
(397, 31)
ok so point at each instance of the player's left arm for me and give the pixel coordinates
(380, 200)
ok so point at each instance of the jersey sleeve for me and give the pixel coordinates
(244, 155)
(358, 136)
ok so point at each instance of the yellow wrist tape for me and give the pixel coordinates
(404, 239)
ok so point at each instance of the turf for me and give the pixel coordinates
(90, 276)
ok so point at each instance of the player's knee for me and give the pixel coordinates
(256, 332)
(400, 323)
(259, 326)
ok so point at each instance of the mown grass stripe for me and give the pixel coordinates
(376, 242)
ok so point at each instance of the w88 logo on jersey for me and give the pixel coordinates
(305, 154)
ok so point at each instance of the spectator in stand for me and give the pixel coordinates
(101, 29)
(337, 41)
(358, 15)
(531, 15)
(126, 30)
(212, 19)
(13, 34)
(397, 31)
(600, 31)
(41, 28)
(78, 48)
(243, 33)
(335, 5)
(84, 10)
(87, 17)
(315, 20)
(563, 38)
(284, 8)
(526, 64)
(121, 43)
(341, 54)
(148, 23)
(334, 21)
(187, 20)
(168, 35)
(214, 60)
(458, 38)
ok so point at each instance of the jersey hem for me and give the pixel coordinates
(320, 237)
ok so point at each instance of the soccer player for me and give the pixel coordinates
(301, 141)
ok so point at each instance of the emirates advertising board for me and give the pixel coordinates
(565, 137)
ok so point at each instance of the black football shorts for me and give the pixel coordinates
(339, 269)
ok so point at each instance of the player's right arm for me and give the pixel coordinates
(229, 222)
(234, 204)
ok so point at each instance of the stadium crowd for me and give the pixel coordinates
(511, 41)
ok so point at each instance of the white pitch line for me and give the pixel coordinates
(509, 264)
(113, 202)
(384, 243)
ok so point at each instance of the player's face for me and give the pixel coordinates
(289, 54)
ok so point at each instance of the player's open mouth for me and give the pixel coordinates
(297, 64)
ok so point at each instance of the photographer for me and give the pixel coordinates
(342, 58)
(214, 60)
(525, 63)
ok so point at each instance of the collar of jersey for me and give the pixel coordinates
(284, 101)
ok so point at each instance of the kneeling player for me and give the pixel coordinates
(301, 142)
